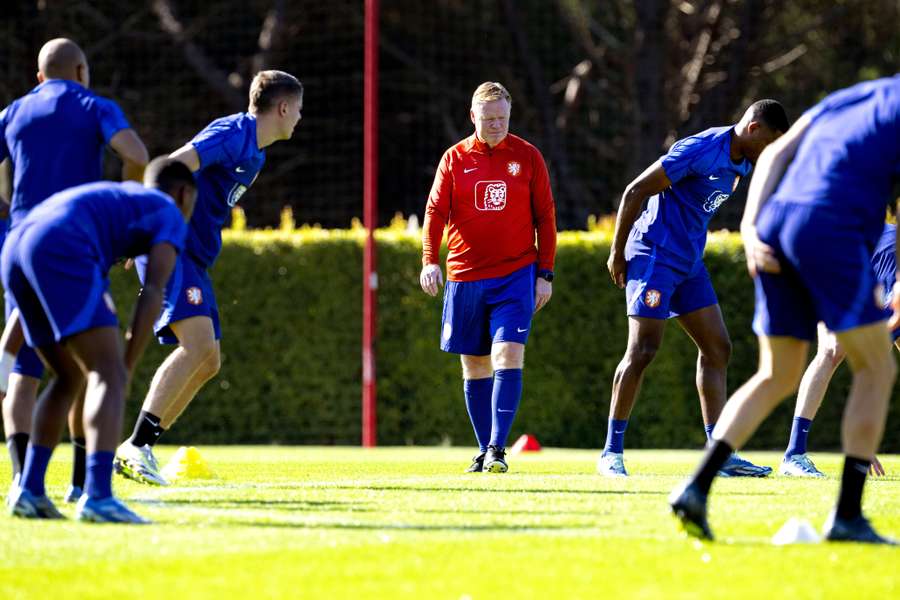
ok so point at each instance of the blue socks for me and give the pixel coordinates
(36, 460)
(478, 403)
(504, 403)
(799, 433)
(98, 482)
(709, 429)
(615, 436)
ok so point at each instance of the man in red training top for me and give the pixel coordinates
(492, 192)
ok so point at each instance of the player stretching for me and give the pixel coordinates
(492, 191)
(63, 250)
(55, 137)
(226, 156)
(813, 216)
(658, 259)
(829, 355)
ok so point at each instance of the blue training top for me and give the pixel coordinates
(849, 155)
(703, 176)
(230, 160)
(118, 220)
(55, 136)
(884, 260)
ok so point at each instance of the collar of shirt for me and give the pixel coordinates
(479, 146)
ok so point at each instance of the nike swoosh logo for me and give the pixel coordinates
(805, 430)
(521, 330)
(470, 170)
(502, 410)
(239, 169)
(713, 177)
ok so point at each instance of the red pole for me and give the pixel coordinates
(370, 210)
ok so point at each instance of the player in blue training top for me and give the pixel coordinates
(658, 260)
(814, 213)
(63, 250)
(227, 157)
(829, 356)
(55, 137)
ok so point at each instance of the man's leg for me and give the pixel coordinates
(79, 452)
(707, 328)
(644, 339)
(781, 362)
(874, 371)
(478, 384)
(829, 356)
(18, 406)
(99, 353)
(176, 382)
(507, 359)
(49, 418)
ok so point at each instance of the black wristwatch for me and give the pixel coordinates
(546, 274)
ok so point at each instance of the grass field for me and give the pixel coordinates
(284, 522)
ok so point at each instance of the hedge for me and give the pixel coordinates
(290, 305)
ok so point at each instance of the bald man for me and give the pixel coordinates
(55, 137)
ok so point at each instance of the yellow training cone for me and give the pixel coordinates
(187, 464)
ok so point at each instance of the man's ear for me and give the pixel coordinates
(752, 126)
(40, 77)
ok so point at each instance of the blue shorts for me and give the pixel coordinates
(663, 290)
(478, 314)
(826, 274)
(45, 270)
(189, 293)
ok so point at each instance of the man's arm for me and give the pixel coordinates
(160, 262)
(188, 155)
(128, 146)
(894, 321)
(652, 181)
(770, 168)
(5, 187)
(545, 223)
(437, 211)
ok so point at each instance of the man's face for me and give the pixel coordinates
(289, 110)
(760, 136)
(491, 120)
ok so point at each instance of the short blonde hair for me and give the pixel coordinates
(490, 91)
(270, 86)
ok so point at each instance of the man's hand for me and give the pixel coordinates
(894, 321)
(760, 257)
(543, 289)
(431, 279)
(618, 268)
(875, 467)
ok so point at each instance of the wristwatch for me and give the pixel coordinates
(546, 274)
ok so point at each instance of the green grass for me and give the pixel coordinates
(284, 522)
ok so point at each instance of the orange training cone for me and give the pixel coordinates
(525, 443)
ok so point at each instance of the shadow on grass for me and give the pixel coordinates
(409, 527)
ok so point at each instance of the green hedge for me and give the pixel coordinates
(290, 305)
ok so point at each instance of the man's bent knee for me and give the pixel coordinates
(476, 367)
(507, 355)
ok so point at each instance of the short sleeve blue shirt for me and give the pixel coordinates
(703, 176)
(849, 155)
(55, 137)
(120, 220)
(230, 161)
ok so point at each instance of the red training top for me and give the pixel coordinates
(491, 200)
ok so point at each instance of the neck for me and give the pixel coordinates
(265, 134)
(737, 146)
(500, 141)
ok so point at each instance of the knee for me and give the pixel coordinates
(507, 355)
(641, 354)
(211, 365)
(781, 382)
(832, 355)
(718, 355)
(476, 367)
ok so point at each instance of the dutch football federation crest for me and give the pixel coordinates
(652, 298)
(490, 195)
(235, 194)
(714, 201)
(513, 167)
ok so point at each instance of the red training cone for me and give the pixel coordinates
(525, 443)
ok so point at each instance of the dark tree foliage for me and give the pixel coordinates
(602, 88)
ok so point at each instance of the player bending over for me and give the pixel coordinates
(63, 250)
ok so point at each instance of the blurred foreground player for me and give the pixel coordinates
(226, 156)
(64, 250)
(814, 213)
(492, 191)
